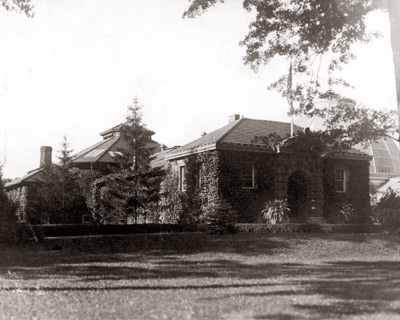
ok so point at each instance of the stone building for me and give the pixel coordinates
(238, 163)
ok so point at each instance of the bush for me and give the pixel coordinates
(387, 210)
(276, 211)
(342, 213)
(220, 218)
(68, 230)
(7, 215)
(302, 227)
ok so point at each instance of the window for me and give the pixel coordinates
(247, 176)
(182, 178)
(86, 218)
(198, 178)
(340, 180)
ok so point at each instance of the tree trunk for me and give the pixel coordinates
(394, 14)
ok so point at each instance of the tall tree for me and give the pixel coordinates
(66, 179)
(135, 158)
(57, 198)
(304, 30)
(65, 153)
(133, 185)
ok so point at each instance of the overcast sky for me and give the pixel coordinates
(74, 68)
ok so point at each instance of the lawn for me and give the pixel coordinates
(245, 276)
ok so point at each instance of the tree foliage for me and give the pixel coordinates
(133, 187)
(56, 199)
(21, 6)
(136, 156)
(65, 154)
(302, 31)
(8, 229)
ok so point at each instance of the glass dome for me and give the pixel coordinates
(386, 157)
(385, 151)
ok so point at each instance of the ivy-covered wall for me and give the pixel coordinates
(247, 202)
(201, 188)
(357, 193)
(214, 176)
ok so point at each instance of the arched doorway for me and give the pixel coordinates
(297, 191)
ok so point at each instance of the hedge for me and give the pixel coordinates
(127, 242)
(299, 227)
(64, 230)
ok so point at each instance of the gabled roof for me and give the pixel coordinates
(32, 176)
(239, 133)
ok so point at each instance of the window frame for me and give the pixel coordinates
(182, 178)
(252, 175)
(198, 178)
(343, 181)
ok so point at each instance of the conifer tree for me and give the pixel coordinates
(57, 198)
(134, 185)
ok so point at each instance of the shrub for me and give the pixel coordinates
(276, 211)
(346, 213)
(7, 215)
(220, 218)
(301, 227)
(387, 210)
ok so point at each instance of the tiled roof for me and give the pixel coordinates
(240, 132)
(210, 138)
(246, 129)
(32, 176)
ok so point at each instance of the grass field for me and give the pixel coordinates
(245, 276)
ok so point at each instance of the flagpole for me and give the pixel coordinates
(290, 100)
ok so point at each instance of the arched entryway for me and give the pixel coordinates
(297, 191)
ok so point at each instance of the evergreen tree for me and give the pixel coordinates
(65, 154)
(57, 198)
(133, 187)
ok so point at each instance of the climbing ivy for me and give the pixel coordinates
(357, 194)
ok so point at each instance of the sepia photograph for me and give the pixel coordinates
(200, 159)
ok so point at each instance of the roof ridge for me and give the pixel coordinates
(233, 126)
(263, 120)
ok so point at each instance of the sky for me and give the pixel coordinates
(76, 65)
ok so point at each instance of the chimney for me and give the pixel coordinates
(45, 156)
(234, 118)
